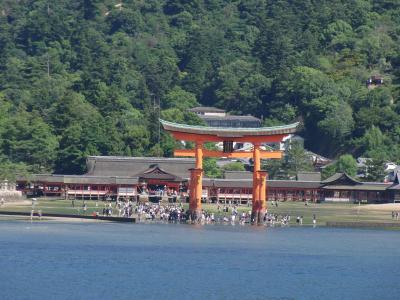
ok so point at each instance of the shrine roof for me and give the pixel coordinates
(206, 109)
(230, 131)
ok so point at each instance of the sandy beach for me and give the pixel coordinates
(17, 203)
(382, 207)
(51, 219)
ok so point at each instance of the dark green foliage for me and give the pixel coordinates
(80, 78)
(234, 166)
(211, 168)
(296, 160)
(345, 164)
(375, 169)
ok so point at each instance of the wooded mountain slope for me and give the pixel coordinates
(81, 78)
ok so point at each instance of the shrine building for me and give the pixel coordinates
(111, 177)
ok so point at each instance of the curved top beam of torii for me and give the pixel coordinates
(214, 134)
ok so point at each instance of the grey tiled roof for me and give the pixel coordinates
(342, 177)
(83, 179)
(248, 183)
(206, 109)
(238, 175)
(309, 176)
(133, 166)
(360, 187)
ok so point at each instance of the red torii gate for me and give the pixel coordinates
(202, 134)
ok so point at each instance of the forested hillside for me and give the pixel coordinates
(81, 78)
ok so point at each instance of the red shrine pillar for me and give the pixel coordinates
(196, 186)
(262, 177)
(256, 183)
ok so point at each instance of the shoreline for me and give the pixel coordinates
(77, 218)
(18, 216)
(378, 216)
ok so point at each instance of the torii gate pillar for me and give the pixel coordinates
(259, 188)
(260, 207)
(196, 186)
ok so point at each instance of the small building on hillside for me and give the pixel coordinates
(232, 121)
(290, 140)
(216, 117)
(374, 81)
(208, 111)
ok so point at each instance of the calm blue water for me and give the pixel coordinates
(142, 261)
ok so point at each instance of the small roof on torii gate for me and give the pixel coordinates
(192, 132)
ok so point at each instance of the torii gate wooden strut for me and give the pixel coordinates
(202, 134)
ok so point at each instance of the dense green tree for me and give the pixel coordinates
(275, 168)
(328, 171)
(11, 171)
(374, 144)
(86, 77)
(241, 88)
(179, 99)
(26, 138)
(234, 166)
(211, 168)
(375, 169)
(72, 155)
(338, 123)
(296, 160)
(346, 164)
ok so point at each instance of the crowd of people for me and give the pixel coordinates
(225, 215)
(151, 211)
(174, 212)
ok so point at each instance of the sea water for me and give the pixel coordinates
(50, 260)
